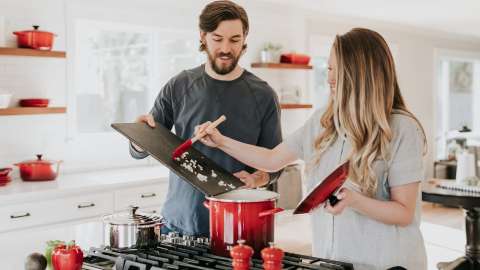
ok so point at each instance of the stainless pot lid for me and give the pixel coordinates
(132, 217)
(246, 196)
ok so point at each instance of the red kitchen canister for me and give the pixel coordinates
(241, 255)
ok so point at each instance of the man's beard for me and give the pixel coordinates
(222, 69)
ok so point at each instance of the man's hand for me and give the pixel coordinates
(256, 179)
(148, 119)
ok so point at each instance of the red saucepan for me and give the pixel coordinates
(39, 169)
(4, 178)
(324, 190)
(246, 214)
(35, 39)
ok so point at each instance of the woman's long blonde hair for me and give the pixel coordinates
(366, 95)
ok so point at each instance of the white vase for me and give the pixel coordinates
(267, 56)
(465, 166)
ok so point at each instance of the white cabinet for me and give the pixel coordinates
(145, 196)
(25, 215)
(53, 211)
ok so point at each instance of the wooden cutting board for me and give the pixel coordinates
(195, 168)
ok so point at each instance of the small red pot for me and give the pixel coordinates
(39, 169)
(246, 214)
(35, 39)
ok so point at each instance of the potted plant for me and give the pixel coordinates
(270, 53)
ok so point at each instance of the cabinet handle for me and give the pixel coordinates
(150, 195)
(19, 216)
(80, 206)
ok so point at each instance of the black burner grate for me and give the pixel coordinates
(169, 256)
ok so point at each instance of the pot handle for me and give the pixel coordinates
(58, 166)
(270, 212)
(206, 204)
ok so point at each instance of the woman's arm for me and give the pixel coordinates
(257, 157)
(400, 210)
(260, 158)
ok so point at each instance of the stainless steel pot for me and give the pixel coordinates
(131, 229)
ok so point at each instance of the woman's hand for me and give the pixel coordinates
(346, 198)
(212, 137)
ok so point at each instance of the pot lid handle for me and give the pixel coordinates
(39, 157)
(35, 27)
(133, 210)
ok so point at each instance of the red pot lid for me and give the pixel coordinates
(323, 190)
(246, 196)
(38, 161)
(34, 30)
(5, 171)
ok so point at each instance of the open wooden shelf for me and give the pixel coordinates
(32, 110)
(290, 106)
(31, 52)
(280, 66)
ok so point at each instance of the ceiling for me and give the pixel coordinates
(454, 16)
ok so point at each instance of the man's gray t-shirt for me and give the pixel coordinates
(192, 98)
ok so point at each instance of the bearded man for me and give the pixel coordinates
(218, 87)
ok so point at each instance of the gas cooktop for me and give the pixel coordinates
(189, 253)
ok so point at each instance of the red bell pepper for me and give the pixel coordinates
(69, 257)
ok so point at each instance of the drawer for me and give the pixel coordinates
(53, 211)
(151, 210)
(146, 196)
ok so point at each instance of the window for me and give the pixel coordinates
(320, 51)
(113, 76)
(320, 47)
(118, 71)
(458, 88)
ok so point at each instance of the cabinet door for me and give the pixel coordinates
(18, 244)
(25, 215)
(146, 196)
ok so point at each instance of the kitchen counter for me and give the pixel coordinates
(19, 191)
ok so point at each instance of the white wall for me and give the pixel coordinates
(415, 66)
(23, 136)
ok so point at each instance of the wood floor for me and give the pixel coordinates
(443, 229)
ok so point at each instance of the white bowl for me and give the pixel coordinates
(5, 100)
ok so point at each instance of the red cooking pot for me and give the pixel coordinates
(246, 214)
(39, 169)
(35, 39)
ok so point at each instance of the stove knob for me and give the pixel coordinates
(177, 240)
(173, 234)
(189, 243)
(163, 237)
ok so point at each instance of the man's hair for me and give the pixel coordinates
(218, 11)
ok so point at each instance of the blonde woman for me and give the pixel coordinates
(376, 223)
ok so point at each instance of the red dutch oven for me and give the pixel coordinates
(39, 169)
(242, 214)
(35, 39)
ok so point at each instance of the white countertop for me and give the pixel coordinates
(19, 191)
